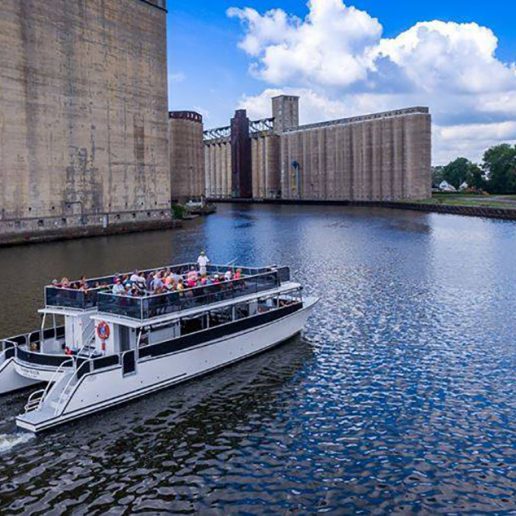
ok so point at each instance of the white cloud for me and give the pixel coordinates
(329, 47)
(337, 61)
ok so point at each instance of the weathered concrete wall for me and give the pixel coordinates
(285, 111)
(218, 165)
(380, 157)
(83, 109)
(266, 165)
(186, 155)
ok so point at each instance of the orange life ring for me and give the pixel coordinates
(103, 330)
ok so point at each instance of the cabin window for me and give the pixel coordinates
(265, 304)
(144, 338)
(193, 324)
(163, 333)
(221, 316)
(241, 311)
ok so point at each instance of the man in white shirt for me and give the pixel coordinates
(118, 288)
(203, 262)
(137, 279)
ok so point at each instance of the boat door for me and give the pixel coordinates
(128, 363)
(124, 338)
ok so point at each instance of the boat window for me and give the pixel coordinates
(266, 303)
(241, 311)
(162, 333)
(221, 316)
(193, 324)
(144, 338)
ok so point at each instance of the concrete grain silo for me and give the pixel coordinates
(187, 159)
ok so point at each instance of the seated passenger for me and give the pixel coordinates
(149, 281)
(118, 288)
(157, 284)
(192, 274)
(228, 275)
(238, 274)
(137, 278)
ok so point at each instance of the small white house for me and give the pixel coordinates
(463, 186)
(444, 186)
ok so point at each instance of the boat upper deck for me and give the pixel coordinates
(144, 305)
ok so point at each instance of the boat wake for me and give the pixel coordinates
(9, 441)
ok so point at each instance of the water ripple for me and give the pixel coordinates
(398, 398)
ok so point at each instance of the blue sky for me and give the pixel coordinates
(209, 72)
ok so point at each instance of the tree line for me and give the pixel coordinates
(496, 174)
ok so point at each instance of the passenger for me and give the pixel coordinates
(180, 286)
(137, 279)
(157, 284)
(118, 288)
(65, 283)
(203, 262)
(228, 275)
(149, 282)
(192, 276)
(238, 274)
(216, 279)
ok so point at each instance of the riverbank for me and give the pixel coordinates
(53, 235)
(470, 210)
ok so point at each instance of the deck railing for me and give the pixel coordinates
(88, 299)
(148, 307)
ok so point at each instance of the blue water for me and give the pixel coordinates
(399, 397)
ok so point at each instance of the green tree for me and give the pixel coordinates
(437, 175)
(500, 166)
(462, 170)
(477, 178)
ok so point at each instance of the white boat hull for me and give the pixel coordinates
(106, 388)
(10, 380)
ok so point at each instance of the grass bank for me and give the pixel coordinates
(470, 200)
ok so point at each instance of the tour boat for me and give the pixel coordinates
(96, 349)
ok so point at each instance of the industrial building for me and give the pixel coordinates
(83, 115)
(88, 146)
(187, 176)
(379, 157)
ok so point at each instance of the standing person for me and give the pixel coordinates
(203, 262)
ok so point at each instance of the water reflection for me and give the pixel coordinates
(401, 397)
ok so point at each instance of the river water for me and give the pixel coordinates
(399, 397)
